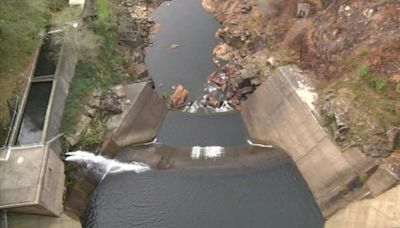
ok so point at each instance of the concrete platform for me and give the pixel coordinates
(34, 221)
(32, 181)
(380, 212)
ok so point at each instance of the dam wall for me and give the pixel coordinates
(140, 120)
(281, 112)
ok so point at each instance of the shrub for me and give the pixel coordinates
(378, 84)
(373, 80)
(363, 71)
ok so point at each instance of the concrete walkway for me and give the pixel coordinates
(380, 212)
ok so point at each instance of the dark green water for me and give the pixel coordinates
(32, 124)
(48, 56)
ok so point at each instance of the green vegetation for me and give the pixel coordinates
(373, 80)
(104, 8)
(363, 178)
(363, 70)
(398, 87)
(20, 24)
(373, 104)
(364, 53)
(99, 67)
(94, 135)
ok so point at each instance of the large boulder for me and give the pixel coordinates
(179, 97)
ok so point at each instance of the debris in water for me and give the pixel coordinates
(174, 46)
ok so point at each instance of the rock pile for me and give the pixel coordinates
(135, 27)
(179, 97)
(101, 106)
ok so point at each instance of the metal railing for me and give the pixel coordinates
(13, 115)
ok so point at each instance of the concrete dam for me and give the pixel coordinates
(268, 164)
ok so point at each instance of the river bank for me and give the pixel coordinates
(356, 82)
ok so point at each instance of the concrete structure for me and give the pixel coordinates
(34, 221)
(140, 120)
(32, 176)
(281, 112)
(380, 212)
(32, 181)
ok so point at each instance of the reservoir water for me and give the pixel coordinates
(268, 193)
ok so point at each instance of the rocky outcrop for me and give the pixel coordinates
(136, 25)
(179, 97)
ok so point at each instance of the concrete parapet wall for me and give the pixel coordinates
(281, 112)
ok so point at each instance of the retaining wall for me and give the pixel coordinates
(61, 83)
(140, 121)
(281, 112)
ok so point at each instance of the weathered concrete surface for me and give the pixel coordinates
(381, 181)
(380, 212)
(78, 195)
(281, 112)
(32, 181)
(63, 76)
(141, 120)
(34, 221)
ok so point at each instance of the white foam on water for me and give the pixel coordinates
(259, 145)
(103, 165)
(197, 107)
(209, 152)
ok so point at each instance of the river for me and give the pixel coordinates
(210, 176)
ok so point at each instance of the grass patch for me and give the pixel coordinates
(94, 135)
(372, 104)
(373, 80)
(363, 178)
(398, 88)
(99, 71)
(363, 70)
(20, 24)
(104, 8)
